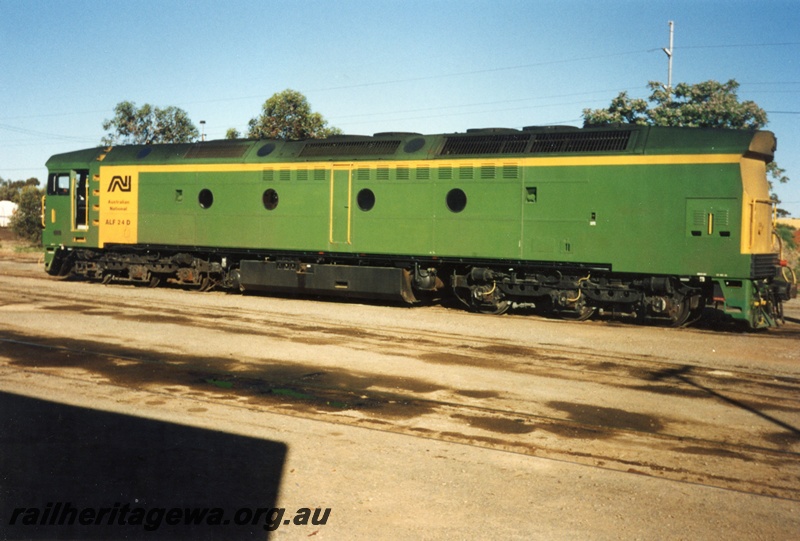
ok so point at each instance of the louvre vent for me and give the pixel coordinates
(763, 265)
(403, 173)
(599, 141)
(537, 143)
(278, 174)
(362, 174)
(514, 143)
(510, 171)
(348, 148)
(216, 150)
(423, 173)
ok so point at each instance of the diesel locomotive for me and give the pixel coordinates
(658, 224)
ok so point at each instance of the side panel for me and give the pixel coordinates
(477, 210)
(561, 211)
(756, 208)
(168, 208)
(392, 210)
(227, 209)
(635, 217)
(277, 209)
(340, 208)
(119, 205)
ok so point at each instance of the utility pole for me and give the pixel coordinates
(668, 88)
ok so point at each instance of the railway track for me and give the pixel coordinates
(732, 427)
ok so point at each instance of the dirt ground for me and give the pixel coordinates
(407, 423)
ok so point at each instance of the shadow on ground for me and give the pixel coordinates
(76, 473)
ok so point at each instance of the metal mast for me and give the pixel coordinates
(669, 55)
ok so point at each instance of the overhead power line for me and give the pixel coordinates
(732, 45)
(35, 133)
(781, 44)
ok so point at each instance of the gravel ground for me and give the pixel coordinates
(408, 423)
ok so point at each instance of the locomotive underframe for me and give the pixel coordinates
(579, 293)
(571, 292)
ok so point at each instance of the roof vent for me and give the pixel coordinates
(583, 141)
(217, 150)
(505, 143)
(349, 148)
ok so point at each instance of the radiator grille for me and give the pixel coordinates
(601, 141)
(348, 148)
(538, 143)
(486, 144)
(763, 265)
(218, 150)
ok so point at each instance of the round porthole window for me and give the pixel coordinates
(365, 199)
(265, 150)
(270, 199)
(205, 198)
(456, 200)
(414, 145)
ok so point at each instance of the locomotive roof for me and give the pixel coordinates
(492, 142)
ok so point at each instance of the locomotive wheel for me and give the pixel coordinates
(497, 309)
(679, 315)
(694, 315)
(582, 314)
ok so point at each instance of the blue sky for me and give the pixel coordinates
(371, 66)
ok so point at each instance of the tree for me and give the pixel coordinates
(287, 115)
(10, 190)
(787, 234)
(148, 124)
(26, 223)
(704, 105)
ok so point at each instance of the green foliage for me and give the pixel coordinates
(786, 233)
(232, 133)
(26, 223)
(10, 190)
(710, 104)
(148, 124)
(287, 115)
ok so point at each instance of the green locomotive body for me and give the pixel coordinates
(659, 223)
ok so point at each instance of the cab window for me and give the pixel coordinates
(58, 184)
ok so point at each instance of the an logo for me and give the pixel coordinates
(123, 184)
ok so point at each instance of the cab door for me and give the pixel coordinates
(58, 207)
(340, 196)
(80, 199)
